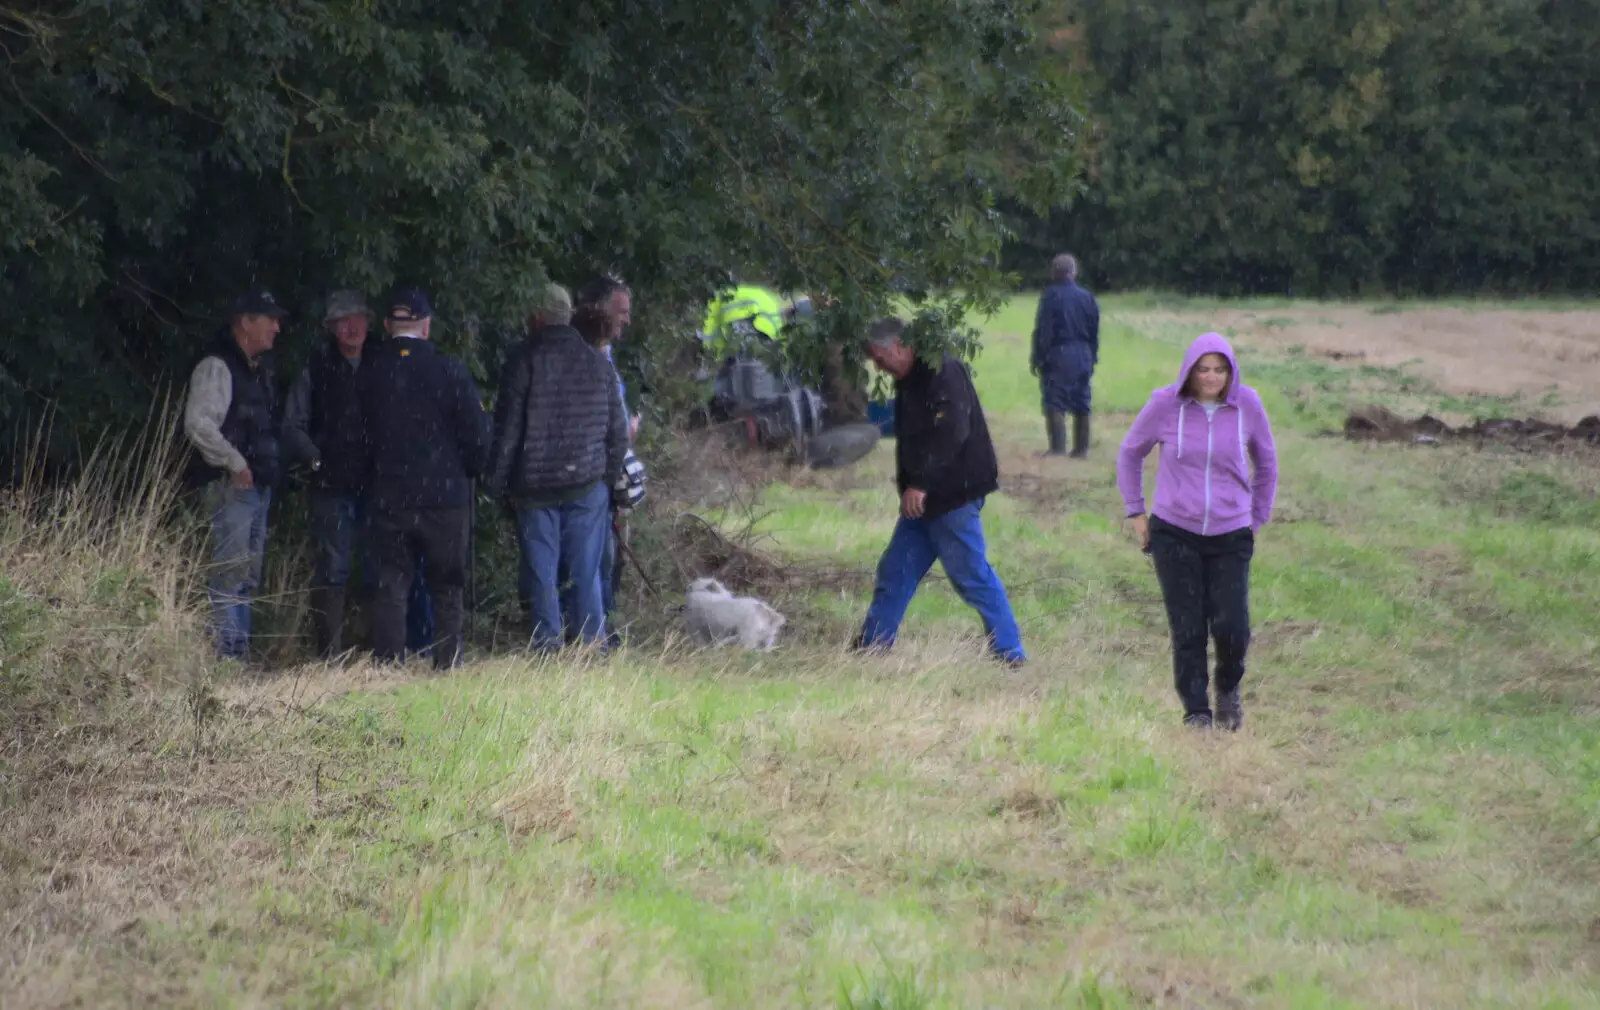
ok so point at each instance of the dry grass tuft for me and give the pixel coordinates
(98, 600)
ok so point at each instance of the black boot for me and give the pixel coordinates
(1080, 436)
(1055, 425)
(327, 620)
(1230, 710)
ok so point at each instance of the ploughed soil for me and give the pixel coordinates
(1497, 352)
(1380, 424)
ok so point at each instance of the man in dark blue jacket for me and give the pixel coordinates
(426, 438)
(1066, 347)
(322, 430)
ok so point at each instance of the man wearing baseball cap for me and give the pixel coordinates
(426, 438)
(230, 423)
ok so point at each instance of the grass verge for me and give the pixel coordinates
(1412, 816)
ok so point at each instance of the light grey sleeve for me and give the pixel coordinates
(210, 395)
(297, 420)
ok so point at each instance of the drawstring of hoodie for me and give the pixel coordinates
(1244, 460)
(1181, 412)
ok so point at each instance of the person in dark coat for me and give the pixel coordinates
(1066, 348)
(323, 431)
(426, 439)
(945, 467)
(560, 436)
(230, 421)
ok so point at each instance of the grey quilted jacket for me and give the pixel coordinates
(559, 421)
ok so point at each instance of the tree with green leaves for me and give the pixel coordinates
(158, 155)
(1336, 146)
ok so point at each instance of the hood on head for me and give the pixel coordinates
(1210, 343)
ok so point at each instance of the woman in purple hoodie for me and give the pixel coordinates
(1214, 488)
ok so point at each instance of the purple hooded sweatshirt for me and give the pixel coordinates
(1206, 483)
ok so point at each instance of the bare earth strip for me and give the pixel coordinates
(1464, 352)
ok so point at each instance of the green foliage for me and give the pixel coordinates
(1336, 148)
(156, 156)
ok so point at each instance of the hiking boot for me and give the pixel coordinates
(1230, 712)
(1198, 720)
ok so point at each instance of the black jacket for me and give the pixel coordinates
(425, 432)
(559, 421)
(335, 422)
(251, 425)
(942, 440)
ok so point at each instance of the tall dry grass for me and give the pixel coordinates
(101, 600)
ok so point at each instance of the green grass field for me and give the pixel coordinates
(1410, 818)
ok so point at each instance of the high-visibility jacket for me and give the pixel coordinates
(762, 308)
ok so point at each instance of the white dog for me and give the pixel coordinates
(717, 617)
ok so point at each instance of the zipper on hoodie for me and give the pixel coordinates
(1211, 416)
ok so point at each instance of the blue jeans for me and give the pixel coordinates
(955, 539)
(608, 583)
(341, 532)
(238, 548)
(568, 541)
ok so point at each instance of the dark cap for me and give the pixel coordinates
(257, 301)
(409, 304)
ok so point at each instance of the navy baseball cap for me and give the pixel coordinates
(410, 303)
(257, 301)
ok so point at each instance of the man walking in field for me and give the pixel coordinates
(944, 467)
(1066, 348)
(230, 419)
(426, 439)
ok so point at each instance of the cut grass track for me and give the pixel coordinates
(1410, 818)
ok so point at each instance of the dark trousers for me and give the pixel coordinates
(338, 530)
(1205, 582)
(1065, 377)
(439, 537)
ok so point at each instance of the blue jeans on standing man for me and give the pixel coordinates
(608, 586)
(955, 539)
(238, 548)
(559, 543)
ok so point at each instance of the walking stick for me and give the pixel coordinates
(472, 556)
(623, 548)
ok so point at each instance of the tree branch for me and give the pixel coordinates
(78, 148)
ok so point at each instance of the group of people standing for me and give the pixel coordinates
(1215, 489)
(394, 437)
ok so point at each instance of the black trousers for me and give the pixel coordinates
(1205, 582)
(439, 535)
